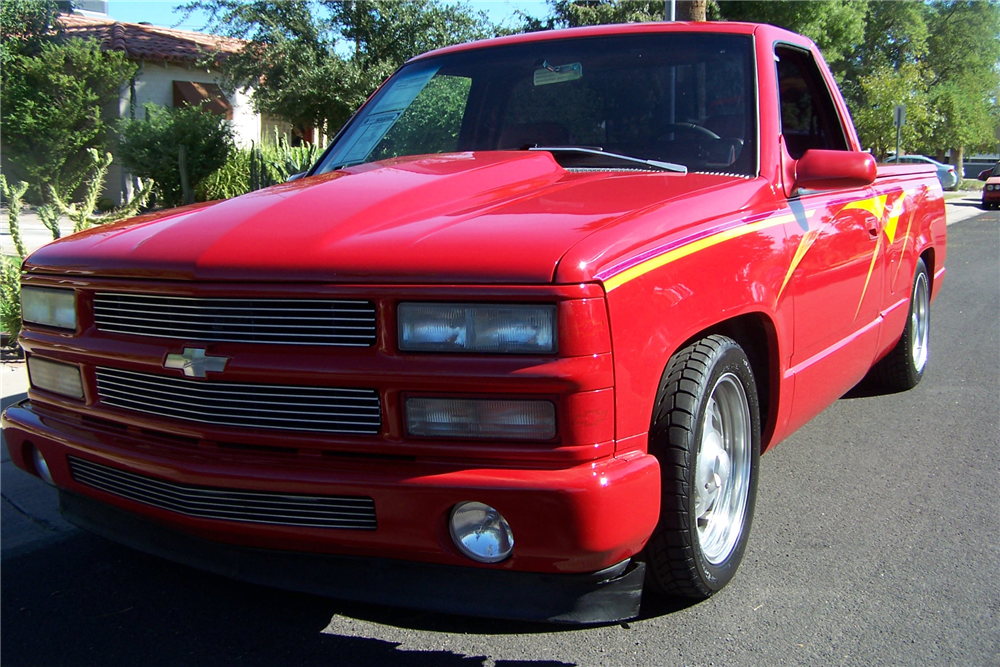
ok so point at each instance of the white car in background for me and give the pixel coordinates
(945, 172)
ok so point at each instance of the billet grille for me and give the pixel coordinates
(277, 321)
(203, 502)
(294, 408)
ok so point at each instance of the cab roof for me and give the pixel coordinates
(716, 27)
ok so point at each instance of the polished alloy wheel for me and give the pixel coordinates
(920, 322)
(722, 474)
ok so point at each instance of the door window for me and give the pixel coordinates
(808, 114)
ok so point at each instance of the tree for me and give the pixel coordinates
(25, 25)
(835, 25)
(293, 64)
(882, 90)
(691, 10)
(895, 34)
(887, 68)
(963, 51)
(575, 13)
(151, 147)
(52, 92)
(394, 31)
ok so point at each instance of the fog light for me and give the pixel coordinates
(481, 532)
(53, 376)
(480, 418)
(41, 467)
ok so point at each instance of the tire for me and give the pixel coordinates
(904, 366)
(705, 432)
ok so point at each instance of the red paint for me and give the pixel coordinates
(834, 170)
(638, 264)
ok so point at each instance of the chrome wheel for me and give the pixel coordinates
(920, 322)
(705, 434)
(904, 365)
(722, 469)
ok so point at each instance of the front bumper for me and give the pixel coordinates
(610, 595)
(570, 524)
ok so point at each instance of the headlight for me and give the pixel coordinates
(445, 327)
(51, 307)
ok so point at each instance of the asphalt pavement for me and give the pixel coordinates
(876, 542)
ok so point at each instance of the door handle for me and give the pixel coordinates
(873, 227)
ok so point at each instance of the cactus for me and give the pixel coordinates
(82, 214)
(14, 194)
(10, 298)
(49, 215)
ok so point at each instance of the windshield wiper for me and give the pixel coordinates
(665, 166)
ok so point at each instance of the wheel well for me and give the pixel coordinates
(755, 333)
(928, 257)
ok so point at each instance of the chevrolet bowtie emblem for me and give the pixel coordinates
(195, 363)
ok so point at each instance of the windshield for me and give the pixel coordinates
(686, 99)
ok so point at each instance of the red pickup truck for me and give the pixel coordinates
(512, 347)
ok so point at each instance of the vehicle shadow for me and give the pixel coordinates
(869, 388)
(87, 601)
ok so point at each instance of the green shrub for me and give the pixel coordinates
(150, 148)
(230, 180)
(249, 169)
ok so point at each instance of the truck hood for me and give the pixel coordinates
(497, 217)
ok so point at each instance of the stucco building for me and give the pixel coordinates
(176, 67)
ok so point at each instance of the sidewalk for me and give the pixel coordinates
(33, 233)
(963, 205)
(29, 509)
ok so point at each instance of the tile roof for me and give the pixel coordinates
(147, 42)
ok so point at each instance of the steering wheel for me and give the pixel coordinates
(689, 128)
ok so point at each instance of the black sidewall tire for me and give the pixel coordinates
(897, 371)
(733, 361)
(686, 570)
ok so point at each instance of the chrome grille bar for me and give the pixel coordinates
(297, 408)
(228, 504)
(344, 323)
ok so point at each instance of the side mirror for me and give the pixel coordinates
(833, 170)
(985, 173)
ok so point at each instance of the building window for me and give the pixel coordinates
(209, 95)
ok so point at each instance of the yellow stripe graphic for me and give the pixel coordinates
(893, 221)
(807, 240)
(645, 267)
(906, 240)
(871, 268)
(889, 217)
(874, 205)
